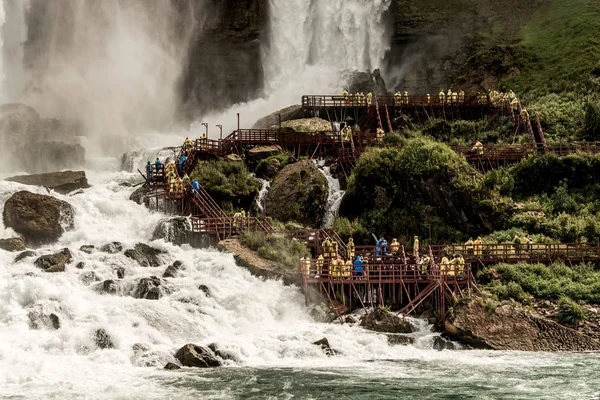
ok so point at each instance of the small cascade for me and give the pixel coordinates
(423, 336)
(262, 195)
(334, 200)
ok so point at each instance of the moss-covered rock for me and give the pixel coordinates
(298, 193)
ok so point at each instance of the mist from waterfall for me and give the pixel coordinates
(312, 48)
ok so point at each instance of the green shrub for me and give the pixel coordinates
(562, 115)
(351, 229)
(592, 121)
(569, 312)
(284, 160)
(490, 307)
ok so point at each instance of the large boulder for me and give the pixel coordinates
(307, 125)
(12, 244)
(54, 262)
(381, 320)
(61, 182)
(38, 218)
(299, 193)
(145, 255)
(50, 156)
(366, 82)
(176, 230)
(273, 119)
(192, 355)
(511, 328)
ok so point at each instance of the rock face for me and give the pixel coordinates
(324, 344)
(510, 328)
(298, 193)
(61, 182)
(39, 218)
(382, 320)
(54, 262)
(145, 255)
(286, 114)
(192, 355)
(172, 269)
(50, 156)
(429, 47)
(112, 248)
(307, 125)
(103, 339)
(149, 288)
(174, 230)
(365, 82)
(12, 244)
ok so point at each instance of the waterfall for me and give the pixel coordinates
(312, 48)
(335, 196)
(262, 195)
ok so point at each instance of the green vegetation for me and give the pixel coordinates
(277, 248)
(228, 182)
(284, 160)
(347, 229)
(550, 282)
(569, 312)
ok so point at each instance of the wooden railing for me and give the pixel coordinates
(382, 101)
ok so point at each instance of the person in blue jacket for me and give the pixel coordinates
(378, 246)
(384, 244)
(196, 186)
(359, 266)
(182, 160)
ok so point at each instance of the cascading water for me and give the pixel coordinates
(312, 48)
(334, 199)
(262, 195)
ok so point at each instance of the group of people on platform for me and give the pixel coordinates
(174, 173)
(358, 99)
(452, 97)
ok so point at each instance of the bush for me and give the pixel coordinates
(284, 160)
(347, 229)
(569, 312)
(562, 116)
(592, 121)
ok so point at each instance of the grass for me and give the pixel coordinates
(274, 247)
(569, 312)
(560, 46)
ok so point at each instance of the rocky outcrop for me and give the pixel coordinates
(12, 244)
(24, 255)
(44, 316)
(298, 193)
(38, 218)
(61, 182)
(88, 277)
(324, 344)
(112, 248)
(145, 255)
(257, 265)
(192, 355)
(381, 320)
(268, 169)
(103, 339)
(171, 366)
(54, 262)
(365, 82)
(173, 269)
(511, 328)
(39, 157)
(150, 288)
(108, 286)
(307, 125)
(87, 248)
(283, 115)
(174, 230)
(221, 353)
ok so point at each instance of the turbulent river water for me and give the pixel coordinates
(263, 323)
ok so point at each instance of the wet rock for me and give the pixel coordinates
(366, 82)
(512, 328)
(89, 277)
(51, 156)
(145, 255)
(38, 319)
(173, 230)
(140, 348)
(192, 355)
(54, 262)
(324, 344)
(120, 271)
(87, 248)
(171, 366)
(24, 255)
(108, 286)
(61, 182)
(204, 289)
(222, 353)
(440, 343)
(382, 320)
(351, 319)
(269, 169)
(150, 288)
(286, 114)
(12, 244)
(112, 248)
(141, 195)
(298, 193)
(80, 265)
(103, 339)
(38, 218)
(323, 313)
(172, 269)
(399, 340)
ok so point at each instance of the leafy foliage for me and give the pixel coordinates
(277, 248)
(569, 312)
